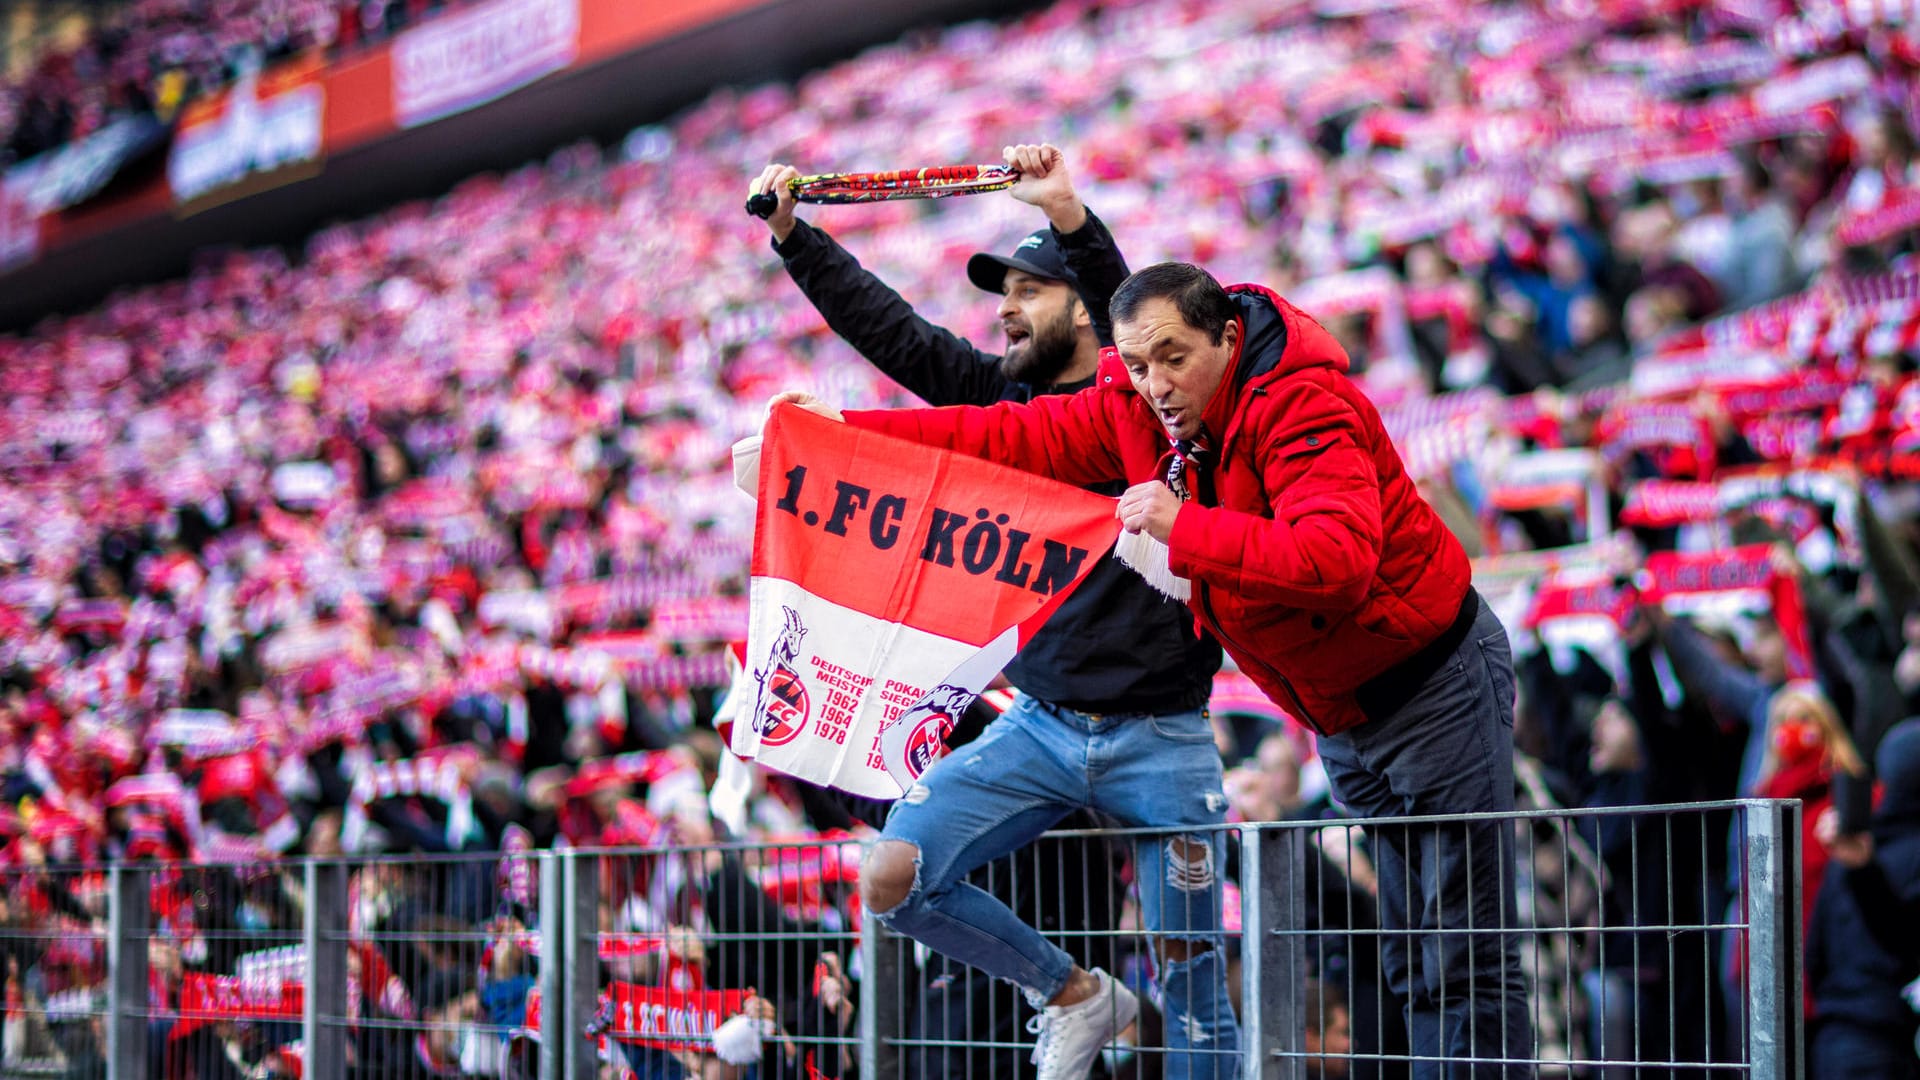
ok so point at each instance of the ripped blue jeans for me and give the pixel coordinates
(1029, 769)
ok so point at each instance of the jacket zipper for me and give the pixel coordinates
(1206, 605)
(1299, 708)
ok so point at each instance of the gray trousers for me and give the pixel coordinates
(1449, 887)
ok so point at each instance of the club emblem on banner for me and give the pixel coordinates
(928, 723)
(781, 713)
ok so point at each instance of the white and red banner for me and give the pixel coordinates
(657, 1016)
(207, 999)
(891, 582)
(455, 62)
(262, 126)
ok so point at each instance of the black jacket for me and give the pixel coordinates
(1115, 645)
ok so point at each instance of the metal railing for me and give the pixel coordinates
(1642, 941)
(1649, 940)
(54, 960)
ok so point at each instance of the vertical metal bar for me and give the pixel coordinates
(1796, 949)
(127, 918)
(882, 1000)
(1537, 1002)
(1773, 980)
(580, 888)
(1566, 960)
(1471, 937)
(1317, 882)
(1253, 956)
(1273, 968)
(1708, 915)
(1673, 919)
(1636, 920)
(554, 963)
(324, 934)
(1601, 879)
(1381, 1017)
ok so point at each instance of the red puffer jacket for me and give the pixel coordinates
(1319, 567)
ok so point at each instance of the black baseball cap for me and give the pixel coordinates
(1039, 254)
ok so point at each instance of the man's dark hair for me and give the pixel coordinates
(1320, 1000)
(1201, 301)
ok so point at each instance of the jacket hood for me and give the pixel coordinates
(1279, 339)
(1276, 340)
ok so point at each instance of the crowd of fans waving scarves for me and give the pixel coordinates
(401, 540)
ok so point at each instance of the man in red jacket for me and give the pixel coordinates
(1332, 584)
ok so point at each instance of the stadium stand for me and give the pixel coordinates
(1633, 283)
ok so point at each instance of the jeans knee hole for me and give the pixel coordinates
(1189, 864)
(912, 890)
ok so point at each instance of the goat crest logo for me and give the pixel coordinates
(780, 710)
(930, 721)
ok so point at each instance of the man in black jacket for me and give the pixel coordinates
(1116, 650)
(1863, 951)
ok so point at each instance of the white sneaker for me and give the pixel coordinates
(1070, 1036)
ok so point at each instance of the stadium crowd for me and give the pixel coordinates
(150, 57)
(423, 537)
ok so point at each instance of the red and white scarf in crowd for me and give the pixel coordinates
(270, 984)
(357, 700)
(797, 876)
(210, 999)
(1585, 610)
(1569, 479)
(159, 798)
(1722, 369)
(678, 973)
(656, 1016)
(890, 583)
(1669, 432)
(431, 775)
(1898, 212)
(595, 603)
(1731, 583)
(200, 733)
(1766, 493)
(1663, 504)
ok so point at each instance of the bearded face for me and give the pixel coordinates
(1038, 352)
(1037, 316)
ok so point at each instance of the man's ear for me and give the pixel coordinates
(1230, 334)
(1082, 318)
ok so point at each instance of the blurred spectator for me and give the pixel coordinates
(1861, 954)
(1760, 264)
(1883, 160)
(1268, 787)
(1329, 1035)
(1551, 272)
